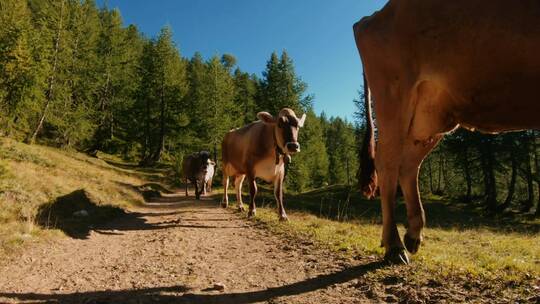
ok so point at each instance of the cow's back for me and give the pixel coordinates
(190, 166)
(482, 53)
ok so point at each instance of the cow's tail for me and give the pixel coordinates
(367, 174)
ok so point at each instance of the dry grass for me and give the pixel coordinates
(33, 176)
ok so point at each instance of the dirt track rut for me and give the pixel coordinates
(181, 251)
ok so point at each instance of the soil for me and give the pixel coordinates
(177, 250)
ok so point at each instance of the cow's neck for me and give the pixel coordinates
(279, 151)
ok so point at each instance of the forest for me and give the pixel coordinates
(74, 76)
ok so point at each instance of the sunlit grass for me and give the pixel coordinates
(477, 253)
(32, 176)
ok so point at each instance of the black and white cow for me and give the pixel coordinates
(195, 168)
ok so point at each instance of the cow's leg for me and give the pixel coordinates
(252, 193)
(197, 193)
(186, 183)
(278, 194)
(430, 121)
(238, 187)
(203, 190)
(225, 201)
(394, 249)
(413, 155)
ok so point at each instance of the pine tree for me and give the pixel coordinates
(127, 119)
(341, 145)
(74, 124)
(17, 74)
(51, 19)
(245, 99)
(163, 87)
(280, 87)
(219, 100)
(309, 169)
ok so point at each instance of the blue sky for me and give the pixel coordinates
(317, 34)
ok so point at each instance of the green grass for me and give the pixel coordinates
(38, 183)
(463, 251)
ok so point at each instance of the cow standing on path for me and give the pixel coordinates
(195, 169)
(261, 150)
(432, 66)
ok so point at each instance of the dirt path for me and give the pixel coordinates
(181, 251)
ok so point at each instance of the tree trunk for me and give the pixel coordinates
(440, 175)
(468, 177)
(430, 174)
(161, 144)
(512, 184)
(99, 134)
(490, 185)
(529, 203)
(215, 152)
(52, 79)
(537, 168)
(537, 212)
(146, 143)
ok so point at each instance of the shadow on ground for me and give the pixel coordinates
(182, 294)
(77, 213)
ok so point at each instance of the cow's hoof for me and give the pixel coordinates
(251, 213)
(224, 205)
(397, 256)
(411, 244)
(283, 218)
(241, 209)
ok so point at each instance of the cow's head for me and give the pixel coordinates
(286, 126)
(205, 162)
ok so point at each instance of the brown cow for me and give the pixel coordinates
(261, 150)
(435, 65)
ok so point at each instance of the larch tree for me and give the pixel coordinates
(164, 85)
(218, 101)
(51, 22)
(17, 67)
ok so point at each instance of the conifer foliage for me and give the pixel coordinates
(73, 75)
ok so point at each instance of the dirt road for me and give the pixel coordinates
(181, 251)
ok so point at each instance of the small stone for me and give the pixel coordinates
(219, 286)
(80, 213)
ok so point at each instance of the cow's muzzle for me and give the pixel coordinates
(293, 147)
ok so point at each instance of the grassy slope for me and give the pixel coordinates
(34, 178)
(464, 254)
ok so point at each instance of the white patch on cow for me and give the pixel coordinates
(209, 172)
(268, 170)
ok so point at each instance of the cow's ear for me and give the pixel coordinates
(302, 121)
(266, 117)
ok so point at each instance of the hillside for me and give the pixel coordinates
(41, 185)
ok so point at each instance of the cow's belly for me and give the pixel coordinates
(268, 170)
(501, 106)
